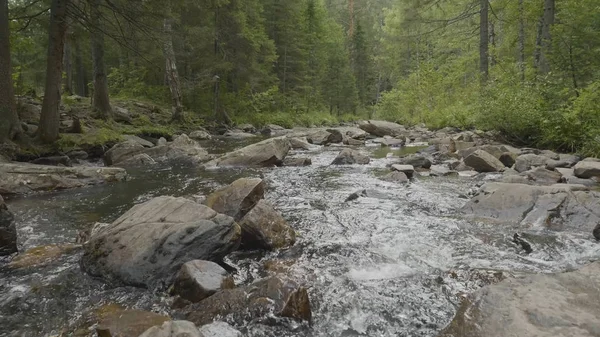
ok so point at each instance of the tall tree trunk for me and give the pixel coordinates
(101, 101)
(80, 74)
(521, 40)
(351, 18)
(171, 70)
(483, 41)
(50, 117)
(9, 120)
(68, 65)
(546, 36)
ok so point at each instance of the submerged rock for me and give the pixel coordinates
(270, 152)
(22, 178)
(543, 305)
(270, 296)
(382, 128)
(557, 207)
(237, 199)
(264, 228)
(119, 322)
(8, 231)
(173, 329)
(199, 279)
(43, 255)
(149, 243)
(297, 162)
(349, 157)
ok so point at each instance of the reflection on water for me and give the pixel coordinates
(389, 264)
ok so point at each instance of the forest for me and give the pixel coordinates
(528, 70)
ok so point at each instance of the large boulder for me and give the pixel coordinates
(382, 128)
(238, 198)
(264, 228)
(271, 296)
(542, 305)
(273, 130)
(22, 178)
(8, 231)
(408, 170)
(416, 161)
(322, 137)
(349, 157)
(199, 279)
(300, 143)
(173, 329)
(149, 243)
(587, 169)
(494, 150)
(269, 152)
(181, 148)
(122, 151)
(138, 160)
(482, 161)
(557, 207)
(528, 161)
(542, 176)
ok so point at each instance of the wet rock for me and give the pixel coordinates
(409, 170)
(298, 143)
(528, 161)
(508, 159)
(556, 207)
(382, 128)
(53, 161)
(173, 329)
(22, 178)
(161, 141)
(393, 142)
(297, 162)
(184, 147)
(247, 128)
(136, 139)
(237, 199)
(349, 157)
(264, 228)
(43, 255)
(270, 152)
(587, 169)
(119, 322)
(273, 130)
(543, 305)
(78, 154)
(444, 145)
(352, 132)
(271, 296)
(122, 151)
(542, 176)
(200, 135)
(219, 329)
(494, 150)
(238, 134)
(353, 142)
(149, 243)
(482, 161)
(8, 231)
(396, 177)
(441, 171)
(416, 161)
(323, 137)
(138, 160)
(199, 279)
(596, 232)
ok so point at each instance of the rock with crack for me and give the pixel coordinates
(350, 157)
(271, 296)
(23, 178)
(238, 198)
(148, 244)
(264, 228)
(542, 305)
(557, 207)
(270, 152)
(200, 279)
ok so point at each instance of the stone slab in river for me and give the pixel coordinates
(121, 322)
(150, 242)
(587, 169)
(238, 198)
(482, 161)
(22, 178)
(264, 228)
(270, 152)
(557, 207)
(350, 157)
(541, 305)
(382, 128)
(199, 279)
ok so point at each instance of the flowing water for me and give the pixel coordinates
(392, 263)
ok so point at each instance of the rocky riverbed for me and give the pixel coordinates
(367, 230)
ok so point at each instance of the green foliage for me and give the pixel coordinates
(129, 82)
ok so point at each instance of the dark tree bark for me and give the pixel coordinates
(9, 120)
(50, 117)
(172, 76)
(80, 73)
(100, 101)
(484, 41)
(546, 37)
(68, 65)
